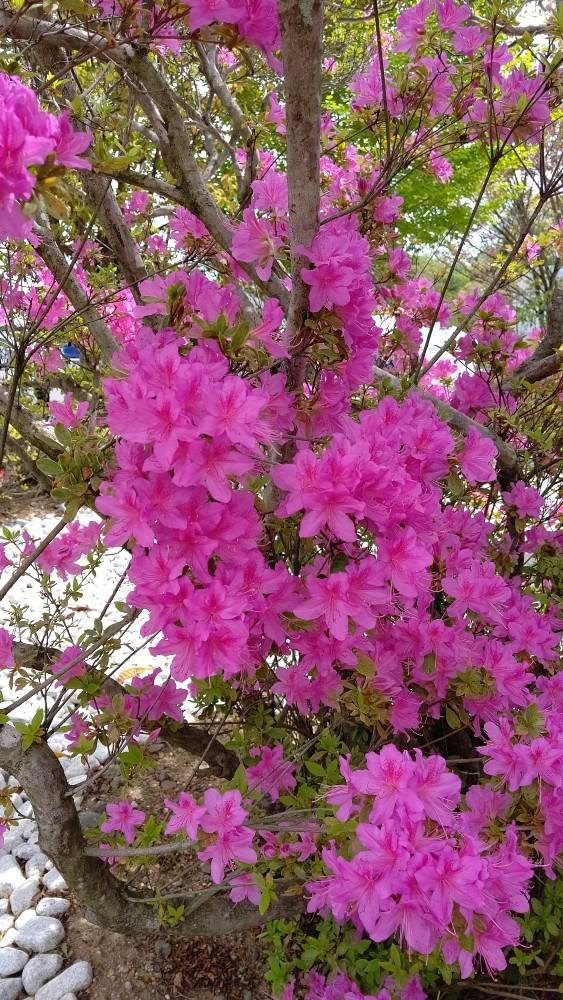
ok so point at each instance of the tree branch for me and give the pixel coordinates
(193, 739)
(180, 160)
(103, 898)
(301, 24)
(53, 257)
(35, 30)
(148, 183)
(507, 457)
(43, 481)
(99, 192)
(26, 425)
(545, 361)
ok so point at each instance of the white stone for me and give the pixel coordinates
(12, 960)
(27, 828)
(52, 906)
(73, 766)
(37, 864)
(22, 897)
(26, 809)
(54, 882)
(77, 977)
(11, 876)
(4, 905)
(34, 836)
(17, 802)
(57, 744)
(9, 938)
(69, 996)
(24, 918)
(10, 988)
(41, 935)
(39, 970)
(76, 779)
(12, 839)
(26, 851)
(101, 753)
(6, 921)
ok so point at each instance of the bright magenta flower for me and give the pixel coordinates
(123, 818)
(186, 815)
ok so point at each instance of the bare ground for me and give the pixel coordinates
(163, 967)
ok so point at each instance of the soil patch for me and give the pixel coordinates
(162, 967)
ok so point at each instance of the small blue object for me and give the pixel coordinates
(71, 352)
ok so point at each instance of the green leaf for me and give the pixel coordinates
(239, 336)
(55, 207)
(49, 467)
(452, 718)
(37, 719)
(315, 768)
(72, 508)
(63, 435)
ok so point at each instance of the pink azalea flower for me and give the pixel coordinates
(204, 12)
(77, 730)
(527, 501)
(187, 815)
(468, 41)
(60, 668)
(128, 517)
(412, 26)
(532, 247)
(4, 561)
(69, 143)
(477, 457)
(6, 655)
(224, 812)
(402, 559)
(328, 599)
(451, 15)
(272, 774)
(389, 779)
(330, 285)
(123, 818)
(231, 845)
(244, 888)
(255, 240)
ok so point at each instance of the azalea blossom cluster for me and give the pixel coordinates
(28, 137)
(256, 20)
(424, 872)
(524, 761)
(195, 441)
(63, 553)
(520, 100)
(66, 413)
(341, 987)
(209, 426)
(321, 554)
(220, 818)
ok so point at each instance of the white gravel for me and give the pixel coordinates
(30, 931)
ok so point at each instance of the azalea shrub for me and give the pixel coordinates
(333, 474)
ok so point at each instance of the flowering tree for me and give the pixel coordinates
(337, 482)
